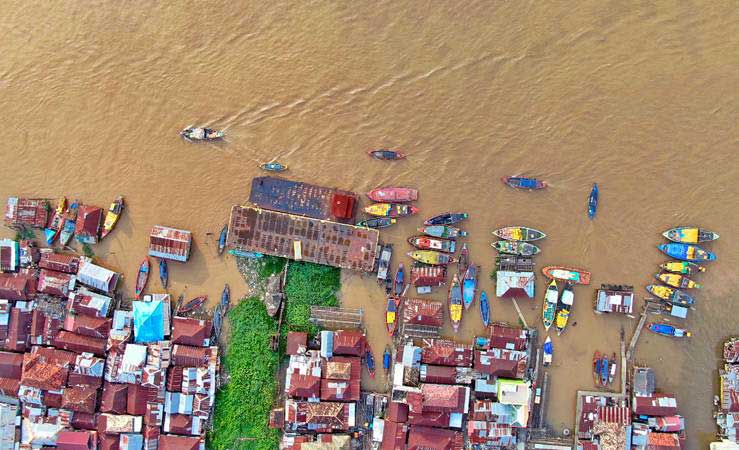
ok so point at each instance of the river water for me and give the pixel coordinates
(640, 98)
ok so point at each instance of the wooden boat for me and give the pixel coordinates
(70, 220)
(519, 234)
(112, 216)
(564, 307)
(576, 276)
(678, 281)
(245, 254)
(391, 314)
(604, 370)
(516, 248)
(387, 360)
(56, 223)
(225, 299)
(455, 303)
(613, 365)
(672, 295)
(431, 257)
(222, 239)
(530, 184)
(273, 166)
(484, 308)
(548, 351)
(163, 273)
(593, 201)
(687, 252)
(596, 368)
(668, 330)
(386, 155)
(429, 243)
(464, 260)
(142, 277)
(690, 235)
(393, 195)
(377, 222)
(369, 360)
(442, 231)
(550, 304)
(202, 134)
(399, 283)
(469, 285)
(446, 219)
(193, 304)
(383, 262)
(390, 210)
(683, 267)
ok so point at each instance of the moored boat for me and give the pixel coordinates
(686, 252)
(273, 166)
(377, 222)
(464, 260)
(431, 257)
(564, 307)
(393, 195)
(56, 222)
(192, 305)
(142, 277)
(516, 248)
(383, 263)
(484, 308)
(668, 330)
(455, 303)
(386, 155)
(604, 370)
(672, 295)
(390, 210)
(682, 267)
(690, 235)
(391, 314)
(524, 183)
(678, 281)
(469, 285)
(442, 231)
(577, 276)
(369, 360)
(70, 220)
(519, 234)
(429, 243)
(163, 273)
(387, 359)
(612, 374)
(446, 219)
(225, 298)
(399, 283)
(593, 201)
(596, 368)
(222, 239)
(112, 216)
(550, 304)
(202, 134)
(548, 350)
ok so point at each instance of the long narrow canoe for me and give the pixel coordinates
(604, 370)
(431, 257)
(464, 260)
(142, 277)
(377, 222)
(469, 285)
(442, 231)
(596, 368)
(429, 243)
(690, 235)
(399, 283)
(393, 195)
(112, 216)
(593, 201)
(548, 350)
(56, 223)
(687, 252)
(446, 219)
(682, 267)
(70, 220)
(668, 330)
(484, 308)
(222, 239)
(524, 183)
(577, 276)
(163, 273)
(564, 307)
(678, 281)
(455, 303)
(519, 234)
(390, 210)
(672, 295)
(391, 315)
(550, 304)
(516, 248)
(385, 154)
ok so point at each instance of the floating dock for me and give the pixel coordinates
(303, 199)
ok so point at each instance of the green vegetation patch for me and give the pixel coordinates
(309, 284)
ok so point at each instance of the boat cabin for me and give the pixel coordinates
(614, 298)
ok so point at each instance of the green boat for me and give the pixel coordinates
(519, 234)
(550, 304)
(516, 248)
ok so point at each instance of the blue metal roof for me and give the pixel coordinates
(148, 321)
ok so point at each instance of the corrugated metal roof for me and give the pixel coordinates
(348, 342)
(190, 331)
(79, 399)
(78, 343)
(170, 243)
(32, 212)
(60, 262)
(295, 341)
(87, 226)
(514, 284)
(295, 197)
(148, 321)
(427, 438)
(446, 353)
(17, 286)
(114, 398)
(423, 312)
(96, 277)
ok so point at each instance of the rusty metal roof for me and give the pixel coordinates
(80, 399)
(60, 262)
(32, 212)
(190, 331)
(170, 243)
(295, 237)
(295, 197)
(423, 312)
(428, 438)
(88, 223)
(41, 374)
(446, 353)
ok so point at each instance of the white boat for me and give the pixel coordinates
(201, 134)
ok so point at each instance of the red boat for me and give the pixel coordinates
(393, 195)
(391, 314)
(142, 277)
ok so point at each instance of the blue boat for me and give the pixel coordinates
(524, 183)
(163, 273)
(222, 239)
(469, 285)
(273, 167)
(686, 252)
(386, 359)
(225, 299)
(245, 254)
(604, 371)
(593, 201)
(548, 349)
(484, 308)
(668, 330)
(369, 360)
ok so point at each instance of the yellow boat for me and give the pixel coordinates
(431, 257)
(111, 219)
(683, 267)
(678, 281)
(690, 235)
(455, 303)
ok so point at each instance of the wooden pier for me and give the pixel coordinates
(336, 318)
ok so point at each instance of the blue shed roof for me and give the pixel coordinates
(148, 321)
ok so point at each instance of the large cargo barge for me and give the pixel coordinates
(302, 238)
(303, 199)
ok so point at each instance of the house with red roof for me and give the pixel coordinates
(19, 327)
(173, 442)
(501, 363)
(443, 352)
(656, 405)
(341, 377)
(78, 343)
(423, 312)
(96, 327)
(427, 438)
(79, 399)
(319, 417)
(59, 262)
(17, 286)
(76, 440)
(348, 343)
(87, 226)
(297, 342)
(58, 284)
(26, 212)
(508, 338)
(190, 331)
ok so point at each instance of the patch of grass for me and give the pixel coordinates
(242, 406)
(309, 284)
(269, 265)
(87, 250)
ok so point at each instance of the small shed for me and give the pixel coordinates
(514, 284)
(170, 243)
(87, 227)
(97, 277)
(26, 212)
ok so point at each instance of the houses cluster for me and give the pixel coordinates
(727, 415)
(450, 396)
(647, 420)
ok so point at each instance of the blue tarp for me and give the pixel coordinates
(148, 321)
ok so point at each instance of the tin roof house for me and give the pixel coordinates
(170, 243)
(26, 212)
(87, 227)
(97, 277)
(148, 321)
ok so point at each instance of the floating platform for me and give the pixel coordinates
(303, 199)
(302, 238)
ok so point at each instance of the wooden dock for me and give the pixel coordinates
(637, 332)
(336, 318)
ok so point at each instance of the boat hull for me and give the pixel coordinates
(390, 210)
(112, 216)
(672, 295)
(529, 184)
(469, 286)
(593, 201)
(377, 222)
(393, 195)
(386, 155)
(484, 308)
(677, 281)
(431, 257)
(682, 267)
(429, 243)
(523, 234)
(455, 303)
(516, 248)
(687, 252)
(446, 219)
(442, 231)
(690, 235)
(142, 277)
(573, 275)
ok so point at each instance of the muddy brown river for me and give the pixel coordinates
(640, 98)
